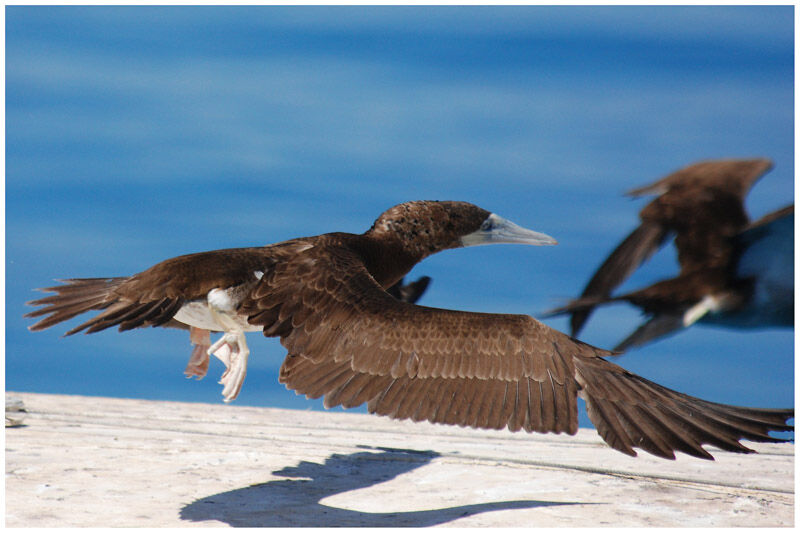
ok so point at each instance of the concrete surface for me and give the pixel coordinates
(80, 461)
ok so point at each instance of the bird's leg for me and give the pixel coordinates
(232, 350)
(198, 362)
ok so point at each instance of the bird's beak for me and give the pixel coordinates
(497, 230)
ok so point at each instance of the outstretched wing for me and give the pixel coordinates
(351, 342)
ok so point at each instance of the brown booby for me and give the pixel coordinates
(733, 273)
(351, 342)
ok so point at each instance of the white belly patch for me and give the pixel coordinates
(198, 313)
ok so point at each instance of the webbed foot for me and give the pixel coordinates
(198, 362)
(232, 350)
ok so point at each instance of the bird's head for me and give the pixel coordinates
(427, 227)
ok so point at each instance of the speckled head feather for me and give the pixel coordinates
(426, 227)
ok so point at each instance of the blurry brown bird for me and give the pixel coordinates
(352, 342)
(732, 273)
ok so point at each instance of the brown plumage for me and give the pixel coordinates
(351, 342)
(702, 205)
(409, 292)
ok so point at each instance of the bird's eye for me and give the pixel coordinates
(487, 225)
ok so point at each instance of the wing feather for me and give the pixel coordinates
(637, 248)
(352, 343)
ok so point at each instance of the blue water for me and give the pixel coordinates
(134, 134)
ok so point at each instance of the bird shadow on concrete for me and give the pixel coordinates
(296, 501)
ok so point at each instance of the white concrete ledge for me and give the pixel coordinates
(81, 461)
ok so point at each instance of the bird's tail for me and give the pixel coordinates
(78, 296)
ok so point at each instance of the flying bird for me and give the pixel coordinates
(733, 273)
(351, 342)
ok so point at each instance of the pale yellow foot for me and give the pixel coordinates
(232, 350)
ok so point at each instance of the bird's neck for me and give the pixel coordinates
(387, 260)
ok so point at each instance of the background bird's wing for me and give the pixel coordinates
(655, 327)
(765, 249)
(351, 342)
(736, 176)
(618, 266)
(779, 224)
(703, 204)
(765, 253)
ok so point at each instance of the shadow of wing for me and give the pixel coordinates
(296, 502)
